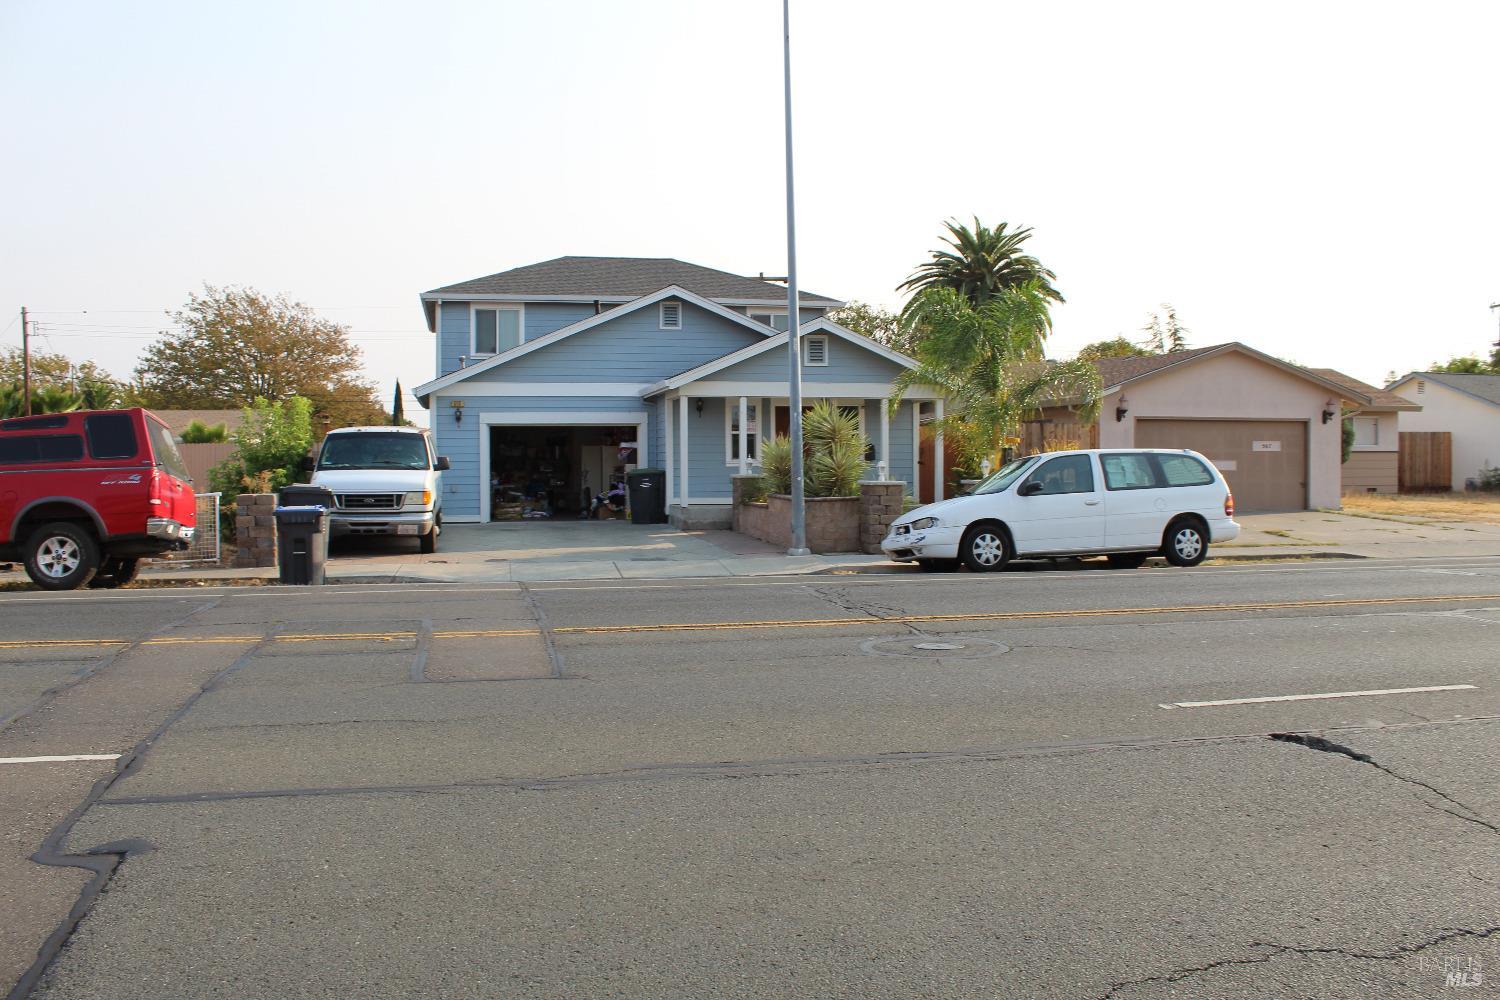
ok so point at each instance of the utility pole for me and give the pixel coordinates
(25, 365)
(793, 311)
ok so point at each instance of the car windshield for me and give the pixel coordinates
(1008, 474)
(373, 451)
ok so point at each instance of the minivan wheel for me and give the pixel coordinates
(1126, 560)
(985, 548)
(1186, 543)
(61, 556)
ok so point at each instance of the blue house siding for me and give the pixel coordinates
(846, 363)
(632, 348)
(453, 336)
(461, 443)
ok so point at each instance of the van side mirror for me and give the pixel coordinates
(442, 464)
(1030, 488)
(308, 465)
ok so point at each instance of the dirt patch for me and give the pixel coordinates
(1481, 507)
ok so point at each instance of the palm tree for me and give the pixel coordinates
(989, 361)
(982, 263)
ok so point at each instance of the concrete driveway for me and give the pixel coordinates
(573, 550)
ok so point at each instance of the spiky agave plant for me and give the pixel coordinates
(835, 450)
(776, 464)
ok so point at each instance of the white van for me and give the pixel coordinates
(1127, 504)
(385, 481)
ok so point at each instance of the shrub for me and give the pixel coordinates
(1489, 479)
(835, 451)
(268, 447)
(197, 432)
(776, 464)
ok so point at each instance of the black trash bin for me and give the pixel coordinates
(302, 543)
(648, 496)
(304, 495)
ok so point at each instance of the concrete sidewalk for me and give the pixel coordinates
(617, 550)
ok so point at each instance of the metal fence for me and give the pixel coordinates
(205, 546)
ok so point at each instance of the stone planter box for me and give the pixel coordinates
(834, 524)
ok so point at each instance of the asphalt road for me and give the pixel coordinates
(1025, 784)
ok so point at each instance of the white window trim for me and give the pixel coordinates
(1377, 444)
(731, 413)
(661, 315)
(807, 339)
(474, 307)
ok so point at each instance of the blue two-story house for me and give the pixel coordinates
(555, 378)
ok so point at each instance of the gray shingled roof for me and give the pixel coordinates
(1485, 387)
(1381, 399)
(587, 277)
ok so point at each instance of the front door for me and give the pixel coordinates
(1066, 511)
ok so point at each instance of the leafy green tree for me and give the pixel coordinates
(237, 345)
(197, 432)
(1165, 334)
(269, 446)
(83, 383)
(990, 361)
(1471, 365)
(398, 409)
(1116, 348)
(880, 325)
(980, 263)
(44, 399)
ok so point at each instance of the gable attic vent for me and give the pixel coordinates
(1421, 386)
(815, 350)
(671, 315)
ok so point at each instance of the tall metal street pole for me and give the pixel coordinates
(793, 312)
(25, 364)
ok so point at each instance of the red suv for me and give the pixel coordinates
(84, 496)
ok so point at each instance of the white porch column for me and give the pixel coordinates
(682, 410)
(937, 454)
(916, 447)
(744, 435)
(666, 416)
(885, 438)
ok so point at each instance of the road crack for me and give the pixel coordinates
(1273, 951)
(842, 599)
(1318, 743)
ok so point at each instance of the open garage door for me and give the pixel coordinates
(1265, 461)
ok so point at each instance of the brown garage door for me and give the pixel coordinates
(1265, 461)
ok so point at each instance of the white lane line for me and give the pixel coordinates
(59, 758)
(1317, 697)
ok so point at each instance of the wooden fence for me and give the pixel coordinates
(1426, 461)
(201, 458)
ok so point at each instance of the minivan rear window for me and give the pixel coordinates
(1129, 472)
(1184, 470)
(111, 435)
(40, 448)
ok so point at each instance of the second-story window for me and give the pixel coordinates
(775, 320)
(496, 329)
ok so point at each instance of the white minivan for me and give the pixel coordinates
(1126, 504)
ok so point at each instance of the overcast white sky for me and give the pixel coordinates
(1317, 180)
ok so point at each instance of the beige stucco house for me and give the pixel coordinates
(1374, 464)
(1467, 406)
(1273, 428)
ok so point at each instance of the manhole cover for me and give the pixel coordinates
(922, 647)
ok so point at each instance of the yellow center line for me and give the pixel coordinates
(791, 623)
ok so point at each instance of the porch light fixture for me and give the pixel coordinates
(698, 405)
(1122, 409)
(1330, 410)
(458, 411)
